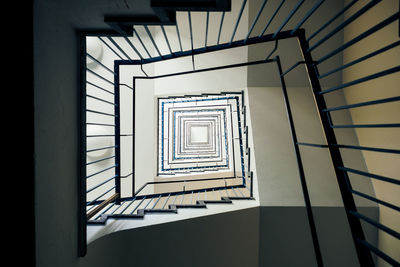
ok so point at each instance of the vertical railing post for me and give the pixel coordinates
(364, 255)
(117, 132)
(134, 135)
(191, 37)
(303, 182)
(251, 184)
(240, 140)
(82, 235)
(248, 161)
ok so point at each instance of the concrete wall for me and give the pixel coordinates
(285, 237)
(275, 158)
(283, 217)
(388, 86)
(228, 239)
(56, 135)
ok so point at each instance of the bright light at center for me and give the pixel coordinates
(199, 134)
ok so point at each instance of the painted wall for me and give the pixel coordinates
(56, 105)
(145, 154)
(228, 239)
(279, 186)
(278, 226)
(388, 86)
(276, 163)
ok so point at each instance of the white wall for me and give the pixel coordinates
(145, 135)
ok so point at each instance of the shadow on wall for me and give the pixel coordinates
(228, 239)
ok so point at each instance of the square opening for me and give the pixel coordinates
(199, 134)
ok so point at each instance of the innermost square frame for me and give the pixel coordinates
(198, 134)
(191, 141)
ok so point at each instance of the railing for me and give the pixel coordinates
(303, 181)
(101, 110)
(235, 186)
(363, 247)
(308, 45)
(169, 202)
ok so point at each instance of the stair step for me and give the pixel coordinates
(104, 217)
(172, 208)
(189, 206)
(242, 198)
(224, 200)
(157, 211)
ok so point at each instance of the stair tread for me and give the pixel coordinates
(172, 208)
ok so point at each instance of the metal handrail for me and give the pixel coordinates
(300, 166)
(181, 181)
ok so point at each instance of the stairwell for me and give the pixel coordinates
(231, 221)
(190, 186)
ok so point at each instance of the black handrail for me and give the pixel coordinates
(102, 215)
(303, 181)
(181, 181)
(364, 254)
(117, 132)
